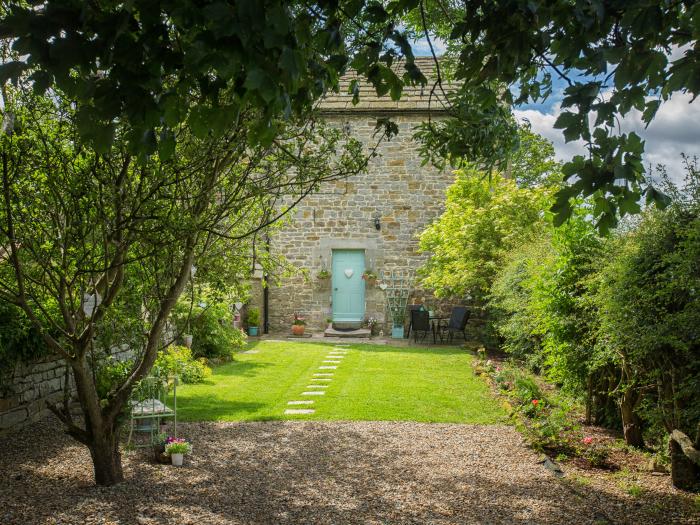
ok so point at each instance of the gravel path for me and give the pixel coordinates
(308, 472)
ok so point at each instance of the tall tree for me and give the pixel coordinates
(96, 239)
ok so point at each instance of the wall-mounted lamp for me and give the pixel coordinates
(377, 223)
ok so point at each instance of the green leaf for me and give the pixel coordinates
(650, 110)
(166, 145)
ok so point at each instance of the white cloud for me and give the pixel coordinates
(422, 49)
(675, 130)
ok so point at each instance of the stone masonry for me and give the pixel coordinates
(403, 194)
(25, 391)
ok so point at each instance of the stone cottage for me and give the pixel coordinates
(367, 222)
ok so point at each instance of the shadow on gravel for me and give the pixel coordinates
(301, 472)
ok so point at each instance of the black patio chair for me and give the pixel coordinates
(457, 323)
(420, 321)
(411, 308)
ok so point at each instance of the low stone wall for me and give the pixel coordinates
(25, 391)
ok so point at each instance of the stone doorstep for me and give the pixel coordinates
(295, 411)
(314, 393)
(304, 402)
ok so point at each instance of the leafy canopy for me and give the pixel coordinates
(613, 56)
(141, 62)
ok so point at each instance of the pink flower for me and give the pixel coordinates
(587, 440)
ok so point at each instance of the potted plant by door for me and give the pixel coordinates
(253, 321)
(370, 277)
(298, 325)
(177, 448)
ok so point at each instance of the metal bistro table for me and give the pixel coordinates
(435, 325)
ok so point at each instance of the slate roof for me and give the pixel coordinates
(414, 99)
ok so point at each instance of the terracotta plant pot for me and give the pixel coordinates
(298, 329)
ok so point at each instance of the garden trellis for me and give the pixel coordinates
(399, 282)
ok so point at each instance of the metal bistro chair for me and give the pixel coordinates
(420, 321)
(411, 308)
(457, 323)
(148, 407)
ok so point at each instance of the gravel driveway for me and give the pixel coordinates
(306, 472)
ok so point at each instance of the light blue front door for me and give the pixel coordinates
(348, 286)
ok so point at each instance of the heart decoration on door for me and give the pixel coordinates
(349, 272)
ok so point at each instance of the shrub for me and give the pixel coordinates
(253, 317)
(179, 360)
(19, 341)
(110, 372)
(211, 325)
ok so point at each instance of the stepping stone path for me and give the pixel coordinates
(331, 362)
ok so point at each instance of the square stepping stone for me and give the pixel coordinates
(304, 402)
(335, 356)
(332, 362)
(293, 411)
(314, 393)
(323, 375)
(327, 367)
(316, 386)
(321, 379)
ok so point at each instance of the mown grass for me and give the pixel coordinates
(373, 382)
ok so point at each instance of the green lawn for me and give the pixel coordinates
(373, 382)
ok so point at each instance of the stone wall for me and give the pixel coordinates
(25, 391)
(404, 195)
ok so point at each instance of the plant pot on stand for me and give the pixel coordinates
(298, 329)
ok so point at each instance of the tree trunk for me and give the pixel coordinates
(106, 458)
(102, 434)
(631, 424)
